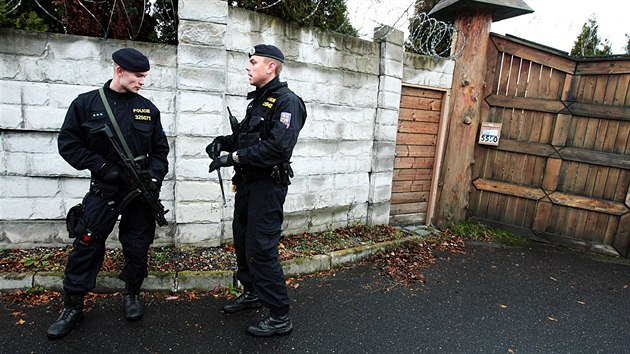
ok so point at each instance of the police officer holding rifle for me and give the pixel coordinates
(116, 134)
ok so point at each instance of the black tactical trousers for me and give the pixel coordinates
(257, 225)
(136, 234)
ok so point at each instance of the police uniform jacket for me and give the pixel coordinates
(139, 121)
(268, 133)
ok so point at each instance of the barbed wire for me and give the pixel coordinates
(312, 12)
(18, 3)
(268, 6)
(96, 19)
(436, 38)
(429, 37)
(47, 12)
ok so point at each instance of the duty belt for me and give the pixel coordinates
(255, 174)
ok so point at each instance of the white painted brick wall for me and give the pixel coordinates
(199, 234)
(201, 33)
(10, 117)
(10, 91)
(387, 117)
(200, 102)
(200, 124)
(198, 212)
(192, 168)
(200, 79)
(204, 10)
(198, 191)
(43, 118)
(30, 164)
(164, 100)
(382, 186)
(343, 161)
(425, 71)
(30, 142)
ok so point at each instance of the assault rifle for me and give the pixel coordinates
(234, 127)
(233, 123)
(141, 185)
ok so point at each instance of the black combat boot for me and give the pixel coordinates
(133, 304)
(247, 300)
(270, 325)
(71, 314)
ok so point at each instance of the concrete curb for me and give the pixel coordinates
(108, 282)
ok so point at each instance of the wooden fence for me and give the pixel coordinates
(561, 171)
(416, 146)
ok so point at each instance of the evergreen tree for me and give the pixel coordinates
(29, 15)
(627, 49)
(142, 20)
(588, 42)
(330, 15)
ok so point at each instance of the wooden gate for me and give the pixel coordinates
(416, 142)
(561, 172)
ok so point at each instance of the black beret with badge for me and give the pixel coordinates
(267, 50)
(131, 60)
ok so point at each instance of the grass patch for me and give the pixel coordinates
(475, 231)
(309, 244)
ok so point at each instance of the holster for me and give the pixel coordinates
(282, 173)
(73, 220)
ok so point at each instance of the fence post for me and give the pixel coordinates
(202, 63)
(473, 19)
(385, 124)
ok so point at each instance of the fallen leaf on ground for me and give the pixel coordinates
(293, 282)
(551, 318)
(191, 295)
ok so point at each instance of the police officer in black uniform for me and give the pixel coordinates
(139, 122)
(260, 149)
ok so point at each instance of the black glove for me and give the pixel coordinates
(221, 161)
(214, 148)
(151, 181)
(109, 173)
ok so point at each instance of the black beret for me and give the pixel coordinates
(131, 59)
(267, 50)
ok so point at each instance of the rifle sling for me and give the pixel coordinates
(128, 198)
(110, 114)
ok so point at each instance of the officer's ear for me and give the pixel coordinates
(118, 70)
(271, 67)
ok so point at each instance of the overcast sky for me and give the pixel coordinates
(555, 23)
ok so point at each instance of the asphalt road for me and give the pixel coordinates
(491, 300)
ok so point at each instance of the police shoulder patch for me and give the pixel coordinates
(285, 118)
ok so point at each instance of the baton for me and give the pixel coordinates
(221, 184)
